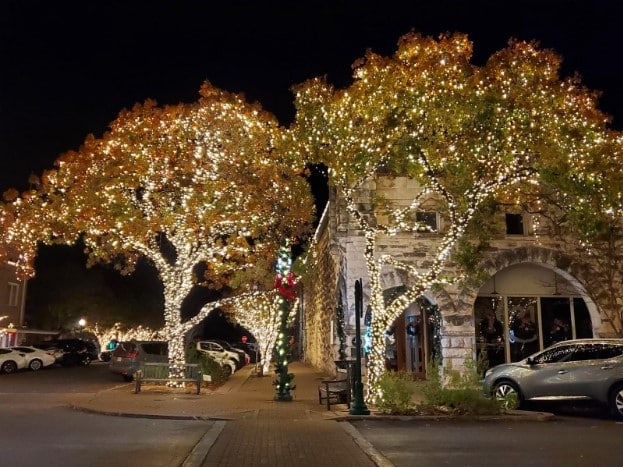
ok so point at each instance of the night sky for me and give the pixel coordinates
(69, 67)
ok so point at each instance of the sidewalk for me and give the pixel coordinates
(249, 426)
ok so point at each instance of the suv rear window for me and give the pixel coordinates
(155, 348)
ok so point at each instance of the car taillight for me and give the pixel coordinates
(131, 354)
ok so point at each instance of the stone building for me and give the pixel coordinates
(533, 293)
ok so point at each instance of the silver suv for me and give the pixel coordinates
(582, 369)
(128, 356)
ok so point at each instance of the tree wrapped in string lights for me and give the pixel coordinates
(465, 134)
(261, 316)
(200, 190)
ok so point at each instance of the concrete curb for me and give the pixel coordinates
(514, 415)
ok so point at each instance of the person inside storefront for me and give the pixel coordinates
(491, 332)
(559, 331)
(525, 337)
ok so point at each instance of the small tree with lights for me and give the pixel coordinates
(465, 134)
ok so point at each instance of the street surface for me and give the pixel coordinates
(564, 442)
(39, 429)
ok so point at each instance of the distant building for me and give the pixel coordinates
(13, 329)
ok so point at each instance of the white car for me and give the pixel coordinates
(229, 361)
(11, 360)
(35, 358)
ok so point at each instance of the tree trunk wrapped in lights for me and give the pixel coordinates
(261, 316)
(510, 130)
(284, 283)
(200, 190)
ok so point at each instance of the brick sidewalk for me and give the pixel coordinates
(256, 429)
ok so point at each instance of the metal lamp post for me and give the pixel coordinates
(359, 406)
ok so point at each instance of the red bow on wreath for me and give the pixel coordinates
(285, 287)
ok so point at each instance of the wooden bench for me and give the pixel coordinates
(159, 373)
(337, 390)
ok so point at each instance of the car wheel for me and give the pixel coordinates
(616, 402)
(127, 378)
(9, 367)
(508, 394)
(226, 370)
(86, 361)
(35, 364)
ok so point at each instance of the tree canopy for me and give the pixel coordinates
(466, 134)
(201, 190)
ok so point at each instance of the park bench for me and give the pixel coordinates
(159, 373)
(336, 390)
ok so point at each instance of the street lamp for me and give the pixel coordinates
(82, 323)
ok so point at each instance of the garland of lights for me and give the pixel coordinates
(341, 328)
(284, 283)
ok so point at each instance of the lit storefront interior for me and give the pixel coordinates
(523, 309)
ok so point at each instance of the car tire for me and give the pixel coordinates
(616, 402)
(508, 394)
(86, 361)
(127, 378)
(9, 367)
(226, 370)
(35, 365)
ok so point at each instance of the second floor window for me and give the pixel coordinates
(13, 294)
(428, 218)
(514, 224)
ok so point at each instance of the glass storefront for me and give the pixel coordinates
(510, 328)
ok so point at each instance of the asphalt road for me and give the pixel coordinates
(567, 441)
(38, 429)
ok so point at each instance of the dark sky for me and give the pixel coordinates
(69, 67)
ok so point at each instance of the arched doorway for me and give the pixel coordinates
(523, 309)
(410, 341)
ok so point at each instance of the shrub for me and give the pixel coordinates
(208, 365)
(462, 393)
(397, 388)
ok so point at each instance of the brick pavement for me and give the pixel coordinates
(251, 428)
(301, 432)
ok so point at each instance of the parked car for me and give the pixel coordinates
(128, 356)
(219, 353)
(581, 369)
(244, 357)
(11, 360)
(71, 352)
(36, 358)
(52, 348)
(251, 349)
(107, 352)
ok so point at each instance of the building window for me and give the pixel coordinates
(428, 218)
(514, 224)
(13, 294)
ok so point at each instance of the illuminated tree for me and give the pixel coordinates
(465, 134)
(201, 190)
(587, 219)
(259, 314)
